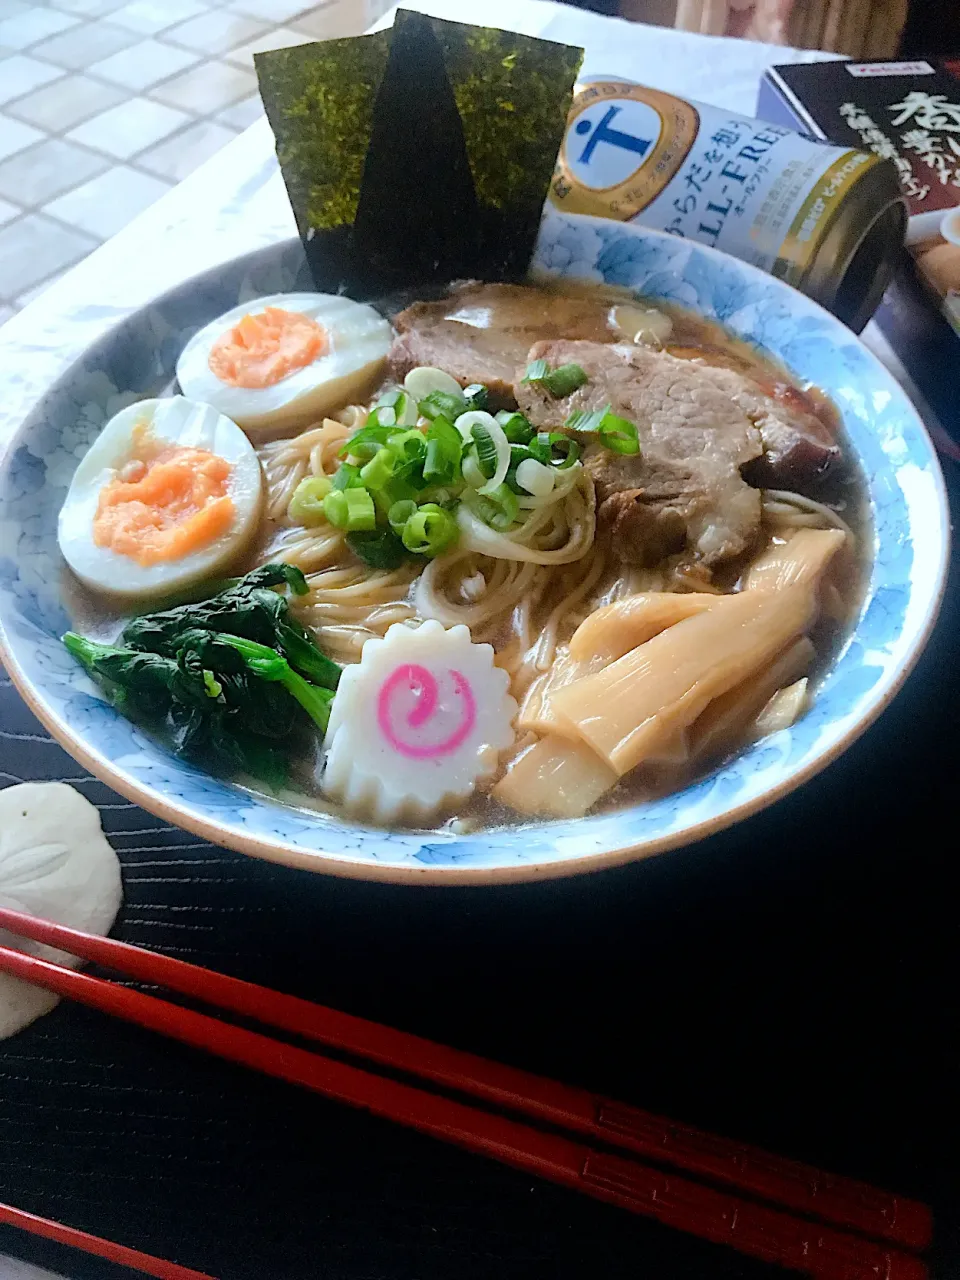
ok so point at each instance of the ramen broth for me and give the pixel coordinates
(840, 490)
(529, 612)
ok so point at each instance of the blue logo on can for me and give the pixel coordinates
(610, 140)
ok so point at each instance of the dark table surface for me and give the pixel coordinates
(791, 982)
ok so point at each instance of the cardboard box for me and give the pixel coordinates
(909, 112)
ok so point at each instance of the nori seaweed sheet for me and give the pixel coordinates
(418, 155)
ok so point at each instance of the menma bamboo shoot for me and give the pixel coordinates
(615, 629)
(556, 778)
(731, 720)
(628, 711)
(803, 558)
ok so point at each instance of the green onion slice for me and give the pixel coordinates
(346, 476)
(350, 509)
(379, 470)
(397, 489)
(486, 448)
(444, 450)
(476, 395)
(473, 474)
(587, 419)
(371, 437)
(535, 478)
(520, 452)
(425, 379)
(442, 404)
(498, 509)
(492, 447)
(561, 451)
(515, 427)
(619, 435)
(306, 505)
(403, 404)
(564, 380)
(560, 382)
(399, 513)
(429, 531)
(410, 445)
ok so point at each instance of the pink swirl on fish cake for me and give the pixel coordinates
(423, 684)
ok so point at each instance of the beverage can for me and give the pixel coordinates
(829, 220)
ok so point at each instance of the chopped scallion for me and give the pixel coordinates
(539, 448)
(429, 531)
(350, 509)
(560, 382)
(562, 451)
(564, 380)
(306, 505)
(371, 437)
(379, 469)
(442, 404)
(400, 513)
(402, 405)
(498, 509)
(346, 476)
(411, 445)
(476, 395)
(587, 419)
(486, 449)
(397, 489)
(520, 452)
(515, 427)
(535, 478)
(473, 473)
(444, 451)
(618, 435)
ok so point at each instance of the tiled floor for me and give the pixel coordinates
(104, 105)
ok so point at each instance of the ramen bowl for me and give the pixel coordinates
(908, 533)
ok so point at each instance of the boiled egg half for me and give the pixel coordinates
(169, 494)
(286, 360)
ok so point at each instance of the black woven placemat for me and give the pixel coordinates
(790, 982)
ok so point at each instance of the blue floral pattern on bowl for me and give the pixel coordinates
(137, 360)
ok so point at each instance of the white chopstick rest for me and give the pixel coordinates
(416, 724)
(56, 864)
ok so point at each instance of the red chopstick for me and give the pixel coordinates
(118, 1253)
(795, 1186)
(675, 1201)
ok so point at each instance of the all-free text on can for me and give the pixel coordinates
(828, 220)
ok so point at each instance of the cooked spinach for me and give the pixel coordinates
(233, 682)
(247, 608)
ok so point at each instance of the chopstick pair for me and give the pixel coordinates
(578, 1158)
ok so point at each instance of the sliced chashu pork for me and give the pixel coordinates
(683, 492)
(482, 332)
(798, 443)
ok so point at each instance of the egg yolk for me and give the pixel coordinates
(264, 349)
(167, 502)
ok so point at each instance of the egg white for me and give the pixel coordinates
(359, 339)
(174, 420)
